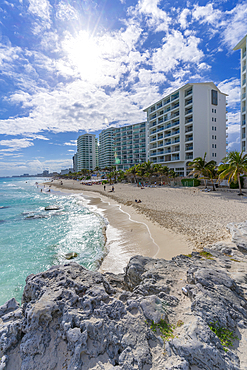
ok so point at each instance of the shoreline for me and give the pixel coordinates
(180, 220)
(139, 235)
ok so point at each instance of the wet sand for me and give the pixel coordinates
(128, 232)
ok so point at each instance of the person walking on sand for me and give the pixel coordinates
(112, 189)
(104, 187)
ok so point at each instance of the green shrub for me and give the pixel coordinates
(225, 335)
(190, 182)
(234, 185)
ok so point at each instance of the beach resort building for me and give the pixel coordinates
(87, 152)
(242, 46)
(106, 148)
(185, 124)
(130, 145)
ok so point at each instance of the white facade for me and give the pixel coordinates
(130, 145)
(106, 148)
(243, 45)
(186, 124)
(87, 152)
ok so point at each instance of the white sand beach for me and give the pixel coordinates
(167, 222)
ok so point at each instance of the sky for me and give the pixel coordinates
(76, 66)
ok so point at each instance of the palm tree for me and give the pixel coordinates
(132, 172)
(234, 164)
(158, 171)
(200, 167)
(211, 173)
(148, 169)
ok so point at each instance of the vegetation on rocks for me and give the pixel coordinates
(225, 335)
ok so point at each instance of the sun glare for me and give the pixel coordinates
(84, 54)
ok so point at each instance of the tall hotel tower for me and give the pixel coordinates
(242, 45)
(87, 152)
(186, 124)
(106, 148)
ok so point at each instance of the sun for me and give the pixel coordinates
(83, 53)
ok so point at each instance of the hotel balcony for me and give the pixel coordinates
(244, 68)
(175, 114)
(175, 106)
(175, 157)
(168, 142)
(168, 150)
(188, 147)
(168, 100)
(244, 82)
(176, 148)
(175, 96)
(244, 55)
(188, 92)
(243, 122)
(187, 102)
(189, 156)
(188, 129)
(188, 120)
(188, 111)
(188, 138)
(243, 95)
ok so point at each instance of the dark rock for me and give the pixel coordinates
(71, 255)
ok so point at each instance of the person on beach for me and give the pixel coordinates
(104, 187)
(112, 189)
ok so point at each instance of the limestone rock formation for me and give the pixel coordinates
(72, 318)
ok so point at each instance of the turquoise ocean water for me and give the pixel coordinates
(32, 239)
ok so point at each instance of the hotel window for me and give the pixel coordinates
(213, 154)
(213, 119)
(214, 97)
(213, 110)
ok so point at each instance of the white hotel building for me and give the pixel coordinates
(186, 124)
(106, 148)
(243, 45)
(87, 153)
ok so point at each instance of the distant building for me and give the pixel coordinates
(74, 162)
(106, 148)
(45, 173)
(87, 152)
(130, 145)
(66, 171)
(242, 45)
(186, 124)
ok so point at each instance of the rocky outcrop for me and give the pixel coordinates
(71, 318)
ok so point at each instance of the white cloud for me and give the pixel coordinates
(41, 8)
(66, 11)
(71, 143)
(156, 18)
(15, 144)
(183, 18)
(236, 25)
(232, 88)
(176, 49)
(206, 14)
